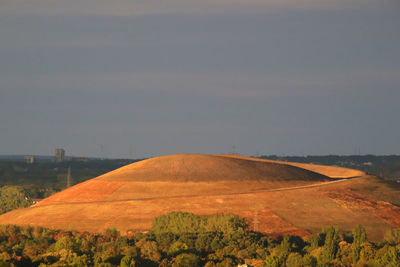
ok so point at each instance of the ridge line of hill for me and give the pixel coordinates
(334, 172)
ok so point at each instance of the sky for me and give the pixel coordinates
(137, 78)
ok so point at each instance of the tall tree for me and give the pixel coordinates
(331, 243)
(359, 237)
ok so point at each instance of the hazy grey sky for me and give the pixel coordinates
(176, 76)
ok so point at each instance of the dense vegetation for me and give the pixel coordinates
(184, 246)
(183, 222)
(13, 197)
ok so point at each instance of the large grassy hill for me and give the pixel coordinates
(276, 197)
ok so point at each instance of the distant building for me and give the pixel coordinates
(36, 200)
(80, 159)
(60, 155)
(29, 159)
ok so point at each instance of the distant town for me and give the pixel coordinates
(58, 157)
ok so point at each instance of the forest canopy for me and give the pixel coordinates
(184, 222)
(223, 246)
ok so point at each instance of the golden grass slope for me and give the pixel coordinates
(208, 168)
(184, 175)
(293, 211)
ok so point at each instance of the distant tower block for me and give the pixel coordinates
(29, 159)
(60, 155)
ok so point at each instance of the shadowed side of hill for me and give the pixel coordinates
(208, 168)
(330, 171)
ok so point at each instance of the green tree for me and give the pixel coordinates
(359, 237)
(309, 260)
(12, 197)
(294, 260)
(272, 261)
(79, 261)
(177, 248)
(284, 248)
(367, 252)
(112, 233)
(149, 250)
(392, 236)
(184, 222)
(127, 261)
(186, 260)
(65, 242)
(390, 259)
(331, 244)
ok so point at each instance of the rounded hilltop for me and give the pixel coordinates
(208, 168)
(183, 175)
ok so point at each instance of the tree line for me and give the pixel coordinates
(184, 239)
